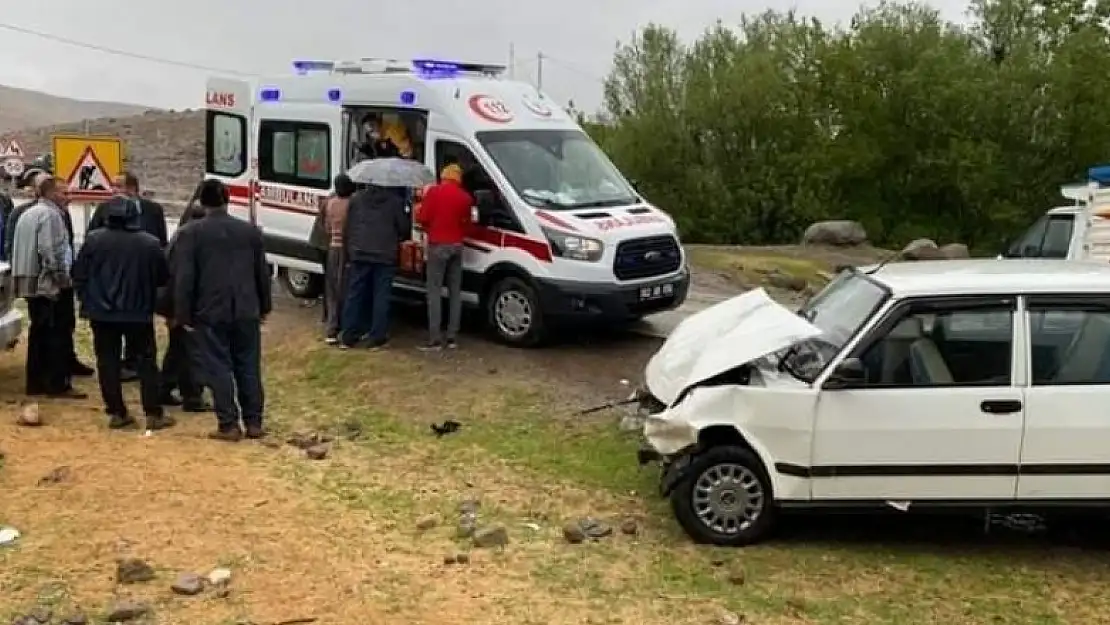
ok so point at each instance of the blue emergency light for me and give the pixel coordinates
(431, 68)
(269, 94)
(303, 67)
(408, 98)
(335, 95)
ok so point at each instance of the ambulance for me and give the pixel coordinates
(561, 236)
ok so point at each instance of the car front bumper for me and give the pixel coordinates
(578, 301)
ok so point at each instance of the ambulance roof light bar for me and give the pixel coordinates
(425, 67)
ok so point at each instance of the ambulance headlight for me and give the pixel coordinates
(574, 247)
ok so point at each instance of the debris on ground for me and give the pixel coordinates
(318, 452)
(8, 536)
(126, 610)
(38, 616)
(57, 476)
(307, 440)
(468, 518)
(426, 523)
(29, 416)
(450, 426)
(496, 536)
(573, 534)
(737, 577)
(730, 618)
(629, 527)
(457, 558)
(133, 571)
(219, 577)
(75, 618)
(593, 528)
(188, 584)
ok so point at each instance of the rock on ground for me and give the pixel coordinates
(133, 571)
(921, 249)
(188, 584)
(29, 416)
(317, 452)
(75, 618)
(126, 610)
(496, 536)
(954, 251)
(837, 233)
(219, 577)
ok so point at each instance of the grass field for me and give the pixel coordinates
(339, 539)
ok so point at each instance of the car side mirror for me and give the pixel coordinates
(850, 373)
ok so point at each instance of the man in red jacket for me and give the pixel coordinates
(445, 215)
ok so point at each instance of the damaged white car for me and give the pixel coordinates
(976, 383)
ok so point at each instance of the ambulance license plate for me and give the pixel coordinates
(659, 291)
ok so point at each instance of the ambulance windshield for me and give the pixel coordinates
(557, 169)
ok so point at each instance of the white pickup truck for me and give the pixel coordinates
(1079, 231)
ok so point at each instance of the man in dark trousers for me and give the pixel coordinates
(376, 226)
(145, 215)
(117, 275)
(177, 366)
(221, 297)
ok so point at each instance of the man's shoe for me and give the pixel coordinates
(80, 369)
(227, 436)
(373, 344)
(128, 375)
(160, 422)
(431, 346)
(255, 432)
(452, 344)
(120, 422)
(331, 339)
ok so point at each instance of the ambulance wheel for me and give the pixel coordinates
(513, 313)
(301, 284)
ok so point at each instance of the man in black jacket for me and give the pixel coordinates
(143, 214)
(221, 296)
(177, 366)
(376, 226)
(117, 274)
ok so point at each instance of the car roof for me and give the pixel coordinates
(993, 276)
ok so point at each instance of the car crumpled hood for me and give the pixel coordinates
(722, 337)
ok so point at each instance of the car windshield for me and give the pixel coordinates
(839, 311)
(557, 169)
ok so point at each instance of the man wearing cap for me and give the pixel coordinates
(445, 216)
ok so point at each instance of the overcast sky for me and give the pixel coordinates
(263, 36)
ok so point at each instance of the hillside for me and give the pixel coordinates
(164, 148)
(22, 108)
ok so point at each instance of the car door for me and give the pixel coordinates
(1066, 454)
(938, 415)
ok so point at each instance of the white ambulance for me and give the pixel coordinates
(562, 236)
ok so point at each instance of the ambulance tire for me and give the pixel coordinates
(301, 284)
(513, 313)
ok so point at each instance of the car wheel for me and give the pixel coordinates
(725, 498)
(513, 313)
(301, 284)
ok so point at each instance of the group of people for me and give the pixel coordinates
(209, 281)
(360, 231)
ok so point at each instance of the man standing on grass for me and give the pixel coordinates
(221, 297)
(41, 260)
(117, 275)
(445, 216)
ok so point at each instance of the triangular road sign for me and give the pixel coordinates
(14, 149)
(89, 174)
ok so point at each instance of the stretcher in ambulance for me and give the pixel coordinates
(562, 237)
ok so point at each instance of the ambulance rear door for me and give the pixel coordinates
(228, 122)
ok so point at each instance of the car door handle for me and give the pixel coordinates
(1000, 406)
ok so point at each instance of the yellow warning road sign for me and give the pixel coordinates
(88, 164)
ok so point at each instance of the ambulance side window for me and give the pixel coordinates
(475, 178)
(295, 153)
(226, 137)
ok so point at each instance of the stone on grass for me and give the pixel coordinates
(594, 528)
(220, 577)
(629, 527)
(317, 452)
(737, 577)
(133, 571)
(126, 610)
(42, 615)
(426, 522)
(730, 618)
(573, 534)
(29, 416)
(75, 618)
(921, 249)
(837, 233)
(188, 584)
(496, 536)
(457, 558)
